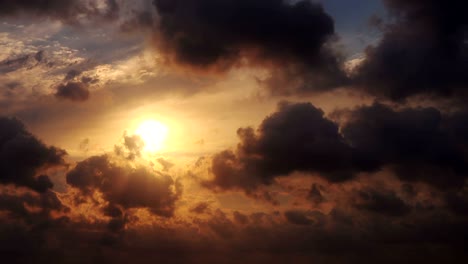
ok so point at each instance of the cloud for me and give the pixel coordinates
(138, 20)
(458, 201)
(73, 91)
(386, 203)
(420, 144)
(125, 186)
(19, 204)
(23, 156)
(72, 74)
(201, 208)
(423, 52)
(68, 11)
(131, 147)
(315, 194)
(373, 184)
(289, 39)
(295, 138)
(299, 217)
(416, 144)
(24, 61)
(36, 226)
(167, 165)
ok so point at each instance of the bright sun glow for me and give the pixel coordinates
(153, 133)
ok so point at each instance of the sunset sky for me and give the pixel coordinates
(233, 131)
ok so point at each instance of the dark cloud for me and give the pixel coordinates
(201, 208)
(138, 20)
(423, 51)
(112, 211)
(315, 194)
(72, 74)
(31, 231)
(240, 218)
(26, 61)
(417, 144)
(19, 204)
(457, 200)
(276, 242)
(420, 144)
(125, 186)
(298, 217)
(382, 202)
(13, 85)
(290, 39)
(295, 138)
(27, 219)
(68, 11)
(22, 156)
(74, 91)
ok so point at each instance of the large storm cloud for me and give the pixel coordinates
(423, 51)
(289, 39)
(417, 144)
(295, 138)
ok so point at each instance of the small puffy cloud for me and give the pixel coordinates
(74, 91)
(386, 203)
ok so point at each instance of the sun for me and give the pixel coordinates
(154, 134)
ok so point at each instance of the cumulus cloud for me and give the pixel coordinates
(290, 39)
(382, 202)
(365, 218)
(74, 91)
(417, 144)
(423, 51)
(421, 144)
(125, 186)
(130, 148)
(295, 138)
(22, 156)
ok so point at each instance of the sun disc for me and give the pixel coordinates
(153, 134)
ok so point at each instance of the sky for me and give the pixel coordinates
(221, 131)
